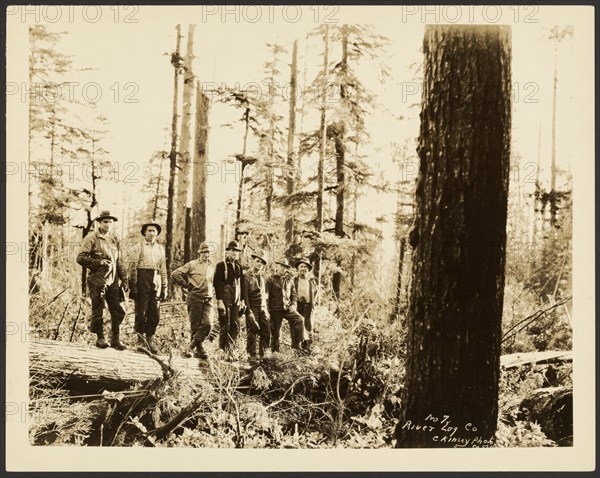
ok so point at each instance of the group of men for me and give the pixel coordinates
(239, 290)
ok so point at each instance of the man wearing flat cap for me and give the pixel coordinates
(100, 253)
(306, 289)
(148, 284)
(228, 292)
(197, 278)
(282, 305)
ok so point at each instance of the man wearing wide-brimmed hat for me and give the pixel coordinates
(197, 278)
(148, 284)
(100, 253)
(306, 288)
(282, 305)
(228, 292)
(257, 319)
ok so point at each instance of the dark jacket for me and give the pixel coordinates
(281, 291)
(252, 292)
(228, 282)
(94, 250)
(313, 288)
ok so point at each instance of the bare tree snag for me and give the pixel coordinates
(176, 62)
(185, 150)
(291, 172)
(322, 147)
(199, 172)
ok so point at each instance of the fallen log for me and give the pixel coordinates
(85, 369)
(524, 358)
(552, 409)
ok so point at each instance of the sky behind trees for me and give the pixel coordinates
(127, 68)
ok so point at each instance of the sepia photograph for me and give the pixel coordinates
(300, 238)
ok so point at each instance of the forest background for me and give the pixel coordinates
(144, 74)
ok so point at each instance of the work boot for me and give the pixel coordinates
(151, 344)
(190, 351)
(201, 353)
(100, 342)
(115, 343)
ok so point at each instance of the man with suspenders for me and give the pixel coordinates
(228, 292)
(148, 284)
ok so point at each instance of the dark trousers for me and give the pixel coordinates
(229, 326)
(295, 320)
(147, 312)
(103, 295)
(305, 310)
(264, 334)
(200, 312)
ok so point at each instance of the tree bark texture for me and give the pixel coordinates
(340, 164)
(89, 369)
(175, 61)
(340, 160)
(322, 148)
(242, 160)
(185, 149)
(291, 173)
(199, 172)
(459, 238)
(398, 299)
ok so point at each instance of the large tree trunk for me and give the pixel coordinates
(459, 238)
(242, 159)
(291, 169)
(89, 369)
(200, 172)
(175, 62)
(553, 173)
(340, 159)
(322, 148)
(185, 150)
(398, 299)
(340, 163)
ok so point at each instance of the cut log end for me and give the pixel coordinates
(552, 409)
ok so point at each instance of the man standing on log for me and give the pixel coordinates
(148, 284)
(257, 319)
(197, 278)
(282, 305)
(306, 288)
(228, 292)
(101, 254)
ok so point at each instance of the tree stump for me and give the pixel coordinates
(552, 409)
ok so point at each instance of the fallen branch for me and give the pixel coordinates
(162, 431)
(531, 318)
